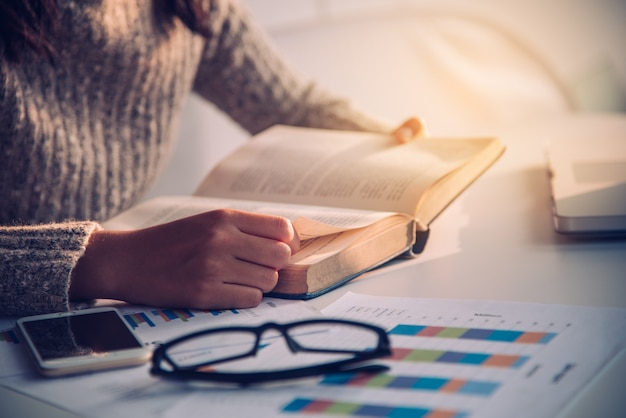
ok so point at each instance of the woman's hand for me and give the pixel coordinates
(219, 259)
(410, 130)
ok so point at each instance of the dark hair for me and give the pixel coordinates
(34, 24)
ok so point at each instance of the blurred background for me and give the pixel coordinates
(468, 67)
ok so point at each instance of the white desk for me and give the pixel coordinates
(496, 242)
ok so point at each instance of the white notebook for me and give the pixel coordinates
(588, 181)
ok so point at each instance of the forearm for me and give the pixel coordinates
(243, 74)
(94, 275)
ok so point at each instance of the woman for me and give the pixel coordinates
(90, 96)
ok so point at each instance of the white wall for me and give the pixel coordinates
(584, 41)
(579, 40)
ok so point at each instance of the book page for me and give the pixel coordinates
(309, 221)
(336, 168)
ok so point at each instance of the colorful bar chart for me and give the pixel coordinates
(495, 335)
(171, 314)
(325, 406)
(419, 383)
(459, 357)
(136, 319)
(153, 317)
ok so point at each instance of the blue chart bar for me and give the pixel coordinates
(418, 383)
(508, 336)
(220, 312)
(457, 357)
(338, 408)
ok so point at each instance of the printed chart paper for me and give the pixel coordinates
(451, 358)
(132, 391)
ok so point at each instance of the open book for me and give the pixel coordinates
(355, 199)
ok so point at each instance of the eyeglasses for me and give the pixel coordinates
(243, 355)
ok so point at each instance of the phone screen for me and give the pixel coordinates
(80, 335)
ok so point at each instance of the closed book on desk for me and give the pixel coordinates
(356, 199)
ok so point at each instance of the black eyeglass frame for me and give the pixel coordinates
(383, 349)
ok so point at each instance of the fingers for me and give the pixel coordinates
(219, 259)
(252, 256)
(266, 240)
(410, 129)
(262, 251)
(238, 277)
(268, 226)
(243, 273)
(240, 297)
(244, 249)
(234, 296)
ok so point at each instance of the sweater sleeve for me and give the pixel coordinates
(243, 75)
(36, 263)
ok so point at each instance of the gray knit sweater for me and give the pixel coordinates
(82, 139)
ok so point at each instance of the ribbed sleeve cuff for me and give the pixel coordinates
(36, 263)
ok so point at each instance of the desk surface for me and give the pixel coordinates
(497, 242)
